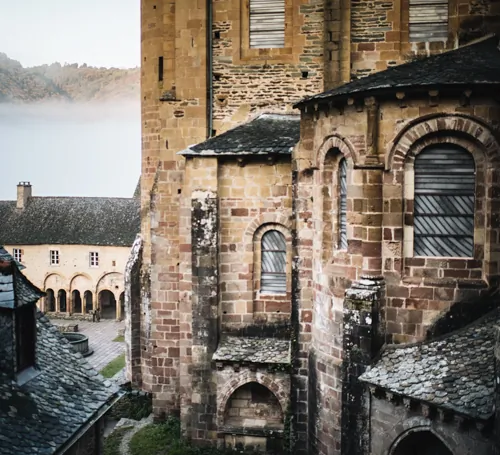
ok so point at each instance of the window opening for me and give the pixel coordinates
(17, 253)
(343, 204)
(273, 271)
(444, 203)
(428, 20)
(267, 24)
(25, 337)
(94, 259)
(54, 257)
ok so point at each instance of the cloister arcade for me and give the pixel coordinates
(79, 296)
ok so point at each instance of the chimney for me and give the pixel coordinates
(23, 194)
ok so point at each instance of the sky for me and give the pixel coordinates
(72, 150)
(96, 32)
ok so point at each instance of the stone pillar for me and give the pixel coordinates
(118, 307)
(497, 381)
(133, 313)
(204, 239)
(361, 341)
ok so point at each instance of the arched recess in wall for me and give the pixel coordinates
(409, 140)
(113, 281)
(81, 282)
(50, 300)
(275, 387)
(336, 142)
(447, 131)
(420, 442)
(54, 281)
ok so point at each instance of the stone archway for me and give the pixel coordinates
(107, 304)
(88, 302)
(421, 443)
(62, 301)
(76, 301)
(50, 301)
(253, 409)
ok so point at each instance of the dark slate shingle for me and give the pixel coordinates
(44, 413)
(456, 372)
(70, 221)
(477, 63)
(266, 134)
(254, 350)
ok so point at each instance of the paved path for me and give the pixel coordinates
(101, 336)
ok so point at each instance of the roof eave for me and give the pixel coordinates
(387, 90)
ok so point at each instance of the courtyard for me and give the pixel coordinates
(101, 335)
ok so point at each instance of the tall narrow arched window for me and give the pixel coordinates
(343, 204)
(444, 202)
(273, 268)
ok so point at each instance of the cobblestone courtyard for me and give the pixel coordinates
(101, 335)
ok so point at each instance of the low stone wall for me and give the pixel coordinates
(65, 328)
(71, 317)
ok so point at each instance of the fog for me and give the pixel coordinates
(70, 149)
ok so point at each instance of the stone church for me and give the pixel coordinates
(319, 258)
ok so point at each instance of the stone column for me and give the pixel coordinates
(205, 274)
(373, 194)
(118, 306)
(361, 341)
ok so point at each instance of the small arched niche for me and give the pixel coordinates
(421, 443)
(251, 412)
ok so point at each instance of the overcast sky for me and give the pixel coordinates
(96, 32)
(72, 150)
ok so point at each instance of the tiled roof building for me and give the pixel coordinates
(364, 235)
(51, 400)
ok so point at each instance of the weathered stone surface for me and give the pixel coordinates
(254, 350)
(455, 373)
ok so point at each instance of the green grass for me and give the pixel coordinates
(112, 442)
(114, 366)
(120, 339)
(164, 439)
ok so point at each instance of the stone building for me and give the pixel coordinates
(74, 248)
(284, 255)
(51, 401)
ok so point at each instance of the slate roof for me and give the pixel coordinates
(456, 372)
(274, 134)
(476, 63)
(253, 350)
(71, 221)
(44, 413)
(6, 257)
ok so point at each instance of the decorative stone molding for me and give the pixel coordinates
(340, 143)
(403, 145)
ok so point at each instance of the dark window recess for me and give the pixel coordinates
(160, 69)
(305, 74)
(217, 35)
(25, 337)
(428, 20)
(273, 271)
(444, 202)
(343, 204)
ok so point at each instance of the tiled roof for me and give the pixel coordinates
(266, 134)
(6, 256)
(15, 288)
(44, 413)
(253, 350)
(456, 372)
(477, 63)
(70, 220)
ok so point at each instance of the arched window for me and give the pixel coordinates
(343, 204)
(273, 268)
(444, 202)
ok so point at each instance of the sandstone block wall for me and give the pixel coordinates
(379, 217)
